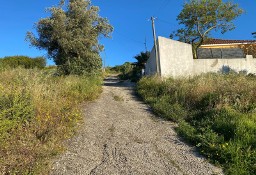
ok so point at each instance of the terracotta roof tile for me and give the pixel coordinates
(221, 41)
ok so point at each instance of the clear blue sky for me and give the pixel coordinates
(129, 19)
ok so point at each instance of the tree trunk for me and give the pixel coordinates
(194, 51)
(195, 47)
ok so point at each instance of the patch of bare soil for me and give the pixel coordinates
(120, 135)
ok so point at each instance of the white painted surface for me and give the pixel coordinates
(150, 68)
(176, 60)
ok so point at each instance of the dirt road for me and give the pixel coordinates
(121, 136)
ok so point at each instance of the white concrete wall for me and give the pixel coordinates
(176, 60)
(215, 65)
(150, 68)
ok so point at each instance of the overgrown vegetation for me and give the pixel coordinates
(127, 71)
(37, 112)
(217, 113)
(131, 71)
(124, 71)
(22, 61)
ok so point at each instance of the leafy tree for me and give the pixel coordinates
(116, 69)
(70, 35)
(126, 70)
(142, 58)
(200, 17)
(39, 62)
(132, 71)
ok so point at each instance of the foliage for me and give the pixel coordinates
(37, 112)
(113, 70)
(133, 71)
(142, 58)
(139, 68)
(23, 61)
(215, 112)
(200, 17)
(126, 71)
(70, 35)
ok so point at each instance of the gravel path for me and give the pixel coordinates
(121, 136)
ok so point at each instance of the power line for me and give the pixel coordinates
(163, 5)
(129, 38)
(165, 21)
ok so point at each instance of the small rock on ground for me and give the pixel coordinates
(120, 135)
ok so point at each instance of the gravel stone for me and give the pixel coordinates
(122, 136)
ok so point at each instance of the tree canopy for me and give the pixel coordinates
(142, 58)
(199, 17)
(70, 36)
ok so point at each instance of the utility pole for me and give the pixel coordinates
(155, 44)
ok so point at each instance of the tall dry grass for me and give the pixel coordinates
(215, 112)
(37, 112)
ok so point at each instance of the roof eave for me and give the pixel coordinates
(226, 44)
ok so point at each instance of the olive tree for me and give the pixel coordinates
(70, 35)
(199, 17)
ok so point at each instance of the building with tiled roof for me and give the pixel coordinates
(211, 42)
(248, 46)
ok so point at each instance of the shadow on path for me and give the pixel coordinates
(116, 82)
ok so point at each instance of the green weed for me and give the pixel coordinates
(215, 112)
(37, 112)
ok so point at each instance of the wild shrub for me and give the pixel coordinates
(22, 61)
(215, 112)
(37, 112)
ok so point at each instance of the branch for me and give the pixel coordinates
(198, 29)
(193, 40)
(208, 30)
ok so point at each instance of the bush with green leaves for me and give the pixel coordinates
(126, 71)
(22, 61)
(215, 112)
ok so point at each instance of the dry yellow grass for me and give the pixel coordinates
(215, 112)
(37, 112)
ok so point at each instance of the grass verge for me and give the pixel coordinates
(37, 112)
(217, 113)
